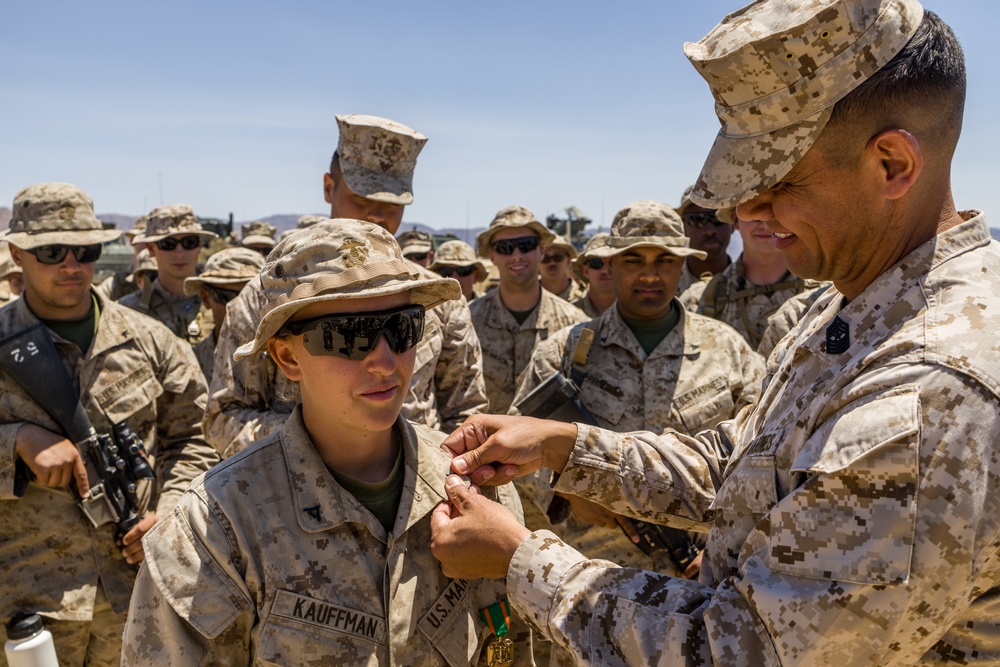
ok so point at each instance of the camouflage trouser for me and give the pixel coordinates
(93, 643)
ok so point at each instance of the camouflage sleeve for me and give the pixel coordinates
(237, 412)
(189, 604)
(747, 375)
(182, 452)
(691, 297)
(887, 542)
(669, 479)
(458, 376)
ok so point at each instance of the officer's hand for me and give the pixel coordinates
(53, 459)
(473, 537)
(494, 449)
(132, 542)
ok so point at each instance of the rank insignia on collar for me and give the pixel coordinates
(838, 336)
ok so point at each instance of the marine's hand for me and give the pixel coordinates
(53, 459)
(132, 542)
(494, 449)
(473, 537)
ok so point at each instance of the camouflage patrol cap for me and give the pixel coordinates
(415, 241)
(55, 213)
(776, 68)
(230, 265)
(173, 220)
(144, 263)
(646, 224)
(377, 157)
(598, 240)
(336, 260)
(258, 233)
(309, 220)
(459, 253)
(508, 218)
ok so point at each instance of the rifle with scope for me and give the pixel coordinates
(116, 462)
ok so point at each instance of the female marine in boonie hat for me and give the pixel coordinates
(319, 534)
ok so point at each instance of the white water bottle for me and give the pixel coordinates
(29, 644)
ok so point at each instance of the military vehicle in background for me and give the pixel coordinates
(571, 219)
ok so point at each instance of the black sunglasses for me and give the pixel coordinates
(507, 246)
(449, 271)
(221, 295)
(595, 263)
(416, 256)
(56, 253)
(353, 336)
(186, 242)
(701, 219)
(557, 258)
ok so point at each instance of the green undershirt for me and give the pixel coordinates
(82, 331)
(521, 316)
(651, 333)
(380, 498)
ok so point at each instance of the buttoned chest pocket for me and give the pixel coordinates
(306, 631)
(706, 405)
(854, 517)
(128, 393)
(606, 401)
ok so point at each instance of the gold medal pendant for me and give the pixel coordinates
(500, 652)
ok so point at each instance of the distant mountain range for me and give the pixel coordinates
(287, 221)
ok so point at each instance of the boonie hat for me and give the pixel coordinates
(144, 263)
(173, 220)
(137, 228)
(230, 265)
(508, 218)
(377, 157)
(646, 224)
(459, 253)
(258, 233)
(561, 242)
(776, 68)
(598, 240)
(309, 220)
(336, 260)
(55, 213)
(415, 241)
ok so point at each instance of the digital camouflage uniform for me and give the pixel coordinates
(136, 371)
(183, 315)
(117, 285)
(249, 401)
(699, 375)
(285, 567)
(729, 297)
(586, 305)
(573, 292)
(507, 345)
(204, 352)
(781, 321)
(856, 519)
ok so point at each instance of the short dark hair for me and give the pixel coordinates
(922, 90)
(334, 162)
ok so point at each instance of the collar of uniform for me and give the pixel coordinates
(499, 316)
(681, 340)
(170, 297)
(891, 301)
(433, 464)
(112, 329)
(322, 504)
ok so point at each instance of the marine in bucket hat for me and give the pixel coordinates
(511, 319)
(595, 273)
(707, 231)
(258, 236)
(226, 273)
(456, 259)
(418, 247)
(851, 509)
(174, 238)
(556, 270)
(128, 371)
(447, 384)
(345, 476)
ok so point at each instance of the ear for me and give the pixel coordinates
(206, 298)
(899, 160)
(329, 185)
(15, 254)
(151, 247)
(282, 352)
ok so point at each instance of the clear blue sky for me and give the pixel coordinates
(231, 105)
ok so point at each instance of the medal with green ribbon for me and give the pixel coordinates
(499, 652)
